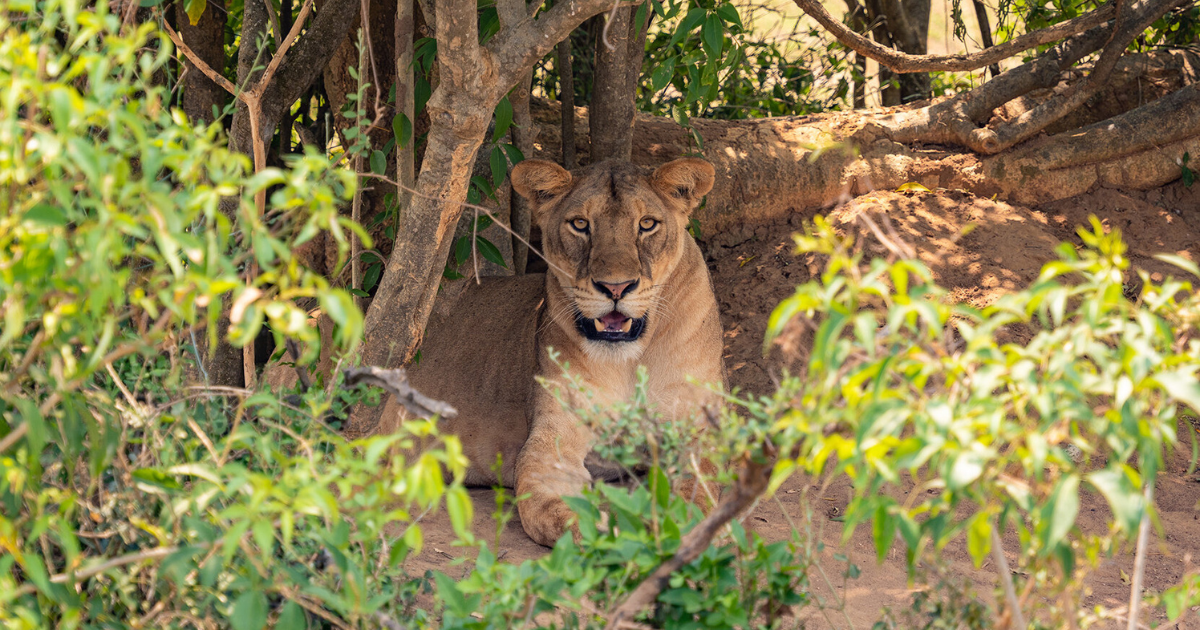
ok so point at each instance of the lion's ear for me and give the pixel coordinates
(686, 179)
(540, 181)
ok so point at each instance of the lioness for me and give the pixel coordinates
(627, 286)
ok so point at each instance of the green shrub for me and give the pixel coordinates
(128, 496)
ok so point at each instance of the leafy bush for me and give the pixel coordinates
(128, 496)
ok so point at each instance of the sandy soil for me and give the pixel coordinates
(754, 267)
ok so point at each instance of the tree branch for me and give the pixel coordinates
(119, 561)
(199, 63)
(395, 381)
(1033, 121)
(906, 63)
(751, 483)
(527, 42)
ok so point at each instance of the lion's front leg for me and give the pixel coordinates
(551, 466)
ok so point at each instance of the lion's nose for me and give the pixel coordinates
(616, 289)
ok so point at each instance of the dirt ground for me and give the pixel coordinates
(754, 267)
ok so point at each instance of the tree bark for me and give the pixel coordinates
(985, 32)
(207, 40)
(524, 135)
(405, 33)
(856, 15)
(954, 121)
(612, 106)
(566, 100)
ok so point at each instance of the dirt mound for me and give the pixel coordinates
(976, 248)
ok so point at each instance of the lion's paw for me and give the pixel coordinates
(546, 519)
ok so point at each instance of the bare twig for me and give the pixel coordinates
(1139, 562)
(260, 86)
(751, 483)
(415, 193)
(1016, 619)
(200, 63)
(119, 561)
(395, 381)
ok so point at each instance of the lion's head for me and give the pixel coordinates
(613, 237)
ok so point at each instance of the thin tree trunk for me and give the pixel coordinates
(524, 135)
(858, 22)
(889, 92)
(566, 100)
(207, 40)
(405, 31)
(985, 32)
(612, 107)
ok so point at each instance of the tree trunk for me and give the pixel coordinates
(524, 135)
(566, 100)
(857, 18)
(200, 97)
(207, 40)
(405, 33)
(612, 107)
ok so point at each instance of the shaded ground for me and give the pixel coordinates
(754, 267)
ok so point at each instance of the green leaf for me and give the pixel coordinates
(1122, 495)
(714, 36)
(514, 154)
(1182, 386)
(340, 307)
(729, 14)
(36, 436)
(1064, 508)
(979, 537)
(689, 22)
(458, 506)
(378, 162)
(195, 9)
(291, 618)
(178, 565)
(966, 469)
(499, 166)
(662, 74)
(46, 215)
(462, 249)
(371, 276)
(402, 130)
(489, 251)
(156, 477)
(661, 486)
(1181, 262)
(504, 118)
(249, 611)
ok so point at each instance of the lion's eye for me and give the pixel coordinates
(648, 224)
(580, 224)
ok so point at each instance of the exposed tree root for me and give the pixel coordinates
(956, 120)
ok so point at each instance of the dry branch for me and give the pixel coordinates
(751, 483)
(954, 121)
(1033, 121)
(906, 63)
(395, 381)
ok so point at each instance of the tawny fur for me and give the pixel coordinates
(482, 355)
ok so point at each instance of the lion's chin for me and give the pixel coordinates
(613, 327)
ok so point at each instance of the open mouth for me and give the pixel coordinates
(614, 326)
